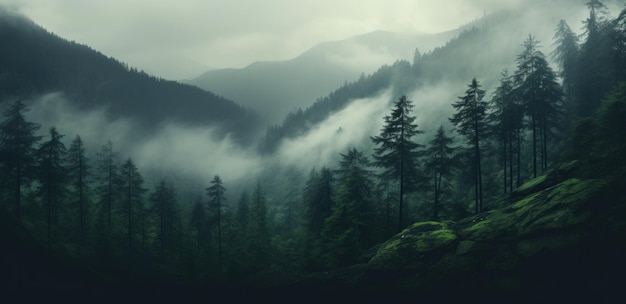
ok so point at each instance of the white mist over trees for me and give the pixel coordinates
(411, 142)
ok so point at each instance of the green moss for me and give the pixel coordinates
(532, 183)
(435, 240)
(531, 218)
(415, 244)
(553, 208)
(494, 224)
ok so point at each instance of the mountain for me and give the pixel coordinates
(35, 62)
(275, 88)
(481, 49)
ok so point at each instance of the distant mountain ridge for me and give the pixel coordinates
(277, 87)
(34, 62)
(481, 49)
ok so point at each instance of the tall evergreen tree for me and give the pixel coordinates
(52, 177)
(17, 153)
(566, 54)
(540, 93)
(243, 210)
(388, 194)
(132, 186)
(619, 42)
(165, 210)
(506, 120)
(349, 229)
(198, 223)
(318, 198)
(440, 164)
(243, 230)
(109, 182)
(260, 238)
(595, 66)
(397, 151)
(470, 121)
(78, 170)
(318, 201)
(216, 198)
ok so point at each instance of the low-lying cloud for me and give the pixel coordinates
(345, 129)
(191, 156)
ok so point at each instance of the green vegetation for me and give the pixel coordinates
(369, 221)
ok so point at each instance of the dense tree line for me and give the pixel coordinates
(491, 144)
(103, 205)
(34, 61)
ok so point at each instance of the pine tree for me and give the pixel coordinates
(109, 182)
(318, 201)
(78, 170)
(470, 121)
(595, 64)
(619, 43)
(216, 199)
(17, 153)
(132, 186)
(540, 93)
(506, 121)
(243, 230)
(165, 210)
(52, 177)
(243, 210)
(566, 54)
(397, 152)
(260, 238)
(440, 164)
(198, 223)
(349, 230)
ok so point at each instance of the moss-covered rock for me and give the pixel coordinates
(492, 249)
(414, 246)
(559, 206)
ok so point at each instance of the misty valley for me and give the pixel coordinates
(490, 164)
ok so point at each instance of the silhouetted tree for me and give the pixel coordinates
(216, 198)
(318, 200)
(619, 43)
(260, 238)
(566, 54)
(470, 121)
(594, 67)
(17, 153)
(440, 164)
(198, 223)
(540, 93)
(242, 233)
(132, 185)
(78, 170)
(165, 210)
(52, 176)
(506, 120)
(349, 229)
(109, 182)
(396, 152)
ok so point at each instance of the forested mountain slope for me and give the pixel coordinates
(433, 80)
(34, 62)
(277, 87)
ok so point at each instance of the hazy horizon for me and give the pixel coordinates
(180, 40)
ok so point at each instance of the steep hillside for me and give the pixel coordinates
(482, 49)
(436, 74)
(275, 88)
(34, 61)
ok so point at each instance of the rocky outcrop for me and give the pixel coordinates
(555, 236)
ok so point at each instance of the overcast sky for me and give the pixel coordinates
(178, 39)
